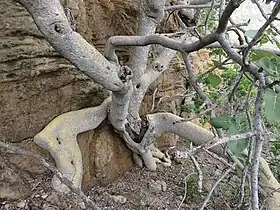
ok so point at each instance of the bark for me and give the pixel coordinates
(59, 138)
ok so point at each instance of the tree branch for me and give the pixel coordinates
(151, 13)
(260, 136)
(51, 20)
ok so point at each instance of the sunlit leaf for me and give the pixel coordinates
(264, 40)
(272, 106)
(277, 43)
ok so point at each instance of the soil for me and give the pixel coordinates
(142, 189)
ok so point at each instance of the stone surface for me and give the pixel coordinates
(105, 156)
(13, 184)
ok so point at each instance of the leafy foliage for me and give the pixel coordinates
(272, 106)
(213, 80)
(233, 126)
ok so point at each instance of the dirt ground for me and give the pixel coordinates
(141, 189)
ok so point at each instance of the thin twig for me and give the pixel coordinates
(185, 6)
(154, 97)
(224, 62)
(242, 187)
(193, 80)
(214, 187)
(199, 172)
(217, 157)
(186, 189)
(234, 89)
(49, 166)
(216, 141)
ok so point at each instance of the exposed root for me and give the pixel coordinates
(59, 138)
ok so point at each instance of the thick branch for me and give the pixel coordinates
(231, 6)
(153, 72)
(151, 13)
(50, 18)
(167, 122)
(59, 138)
(120, 101)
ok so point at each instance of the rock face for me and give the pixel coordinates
(105, 156)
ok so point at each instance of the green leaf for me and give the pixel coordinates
(251, 33)
(265, 63)
(224, 122)
(272, 106)
(270, 65)
(264, 40)
(258, 54)
(213, 80)
(237, 146)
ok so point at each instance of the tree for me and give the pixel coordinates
(128, 85)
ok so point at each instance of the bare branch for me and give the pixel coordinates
(199, 172)
(217, 157)
(260, 137)
(222, 7)
(231, 6)
(193, 80)
(213, 143)
(178, 45)
(186, 190)
(208, 15)
(190, 6)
